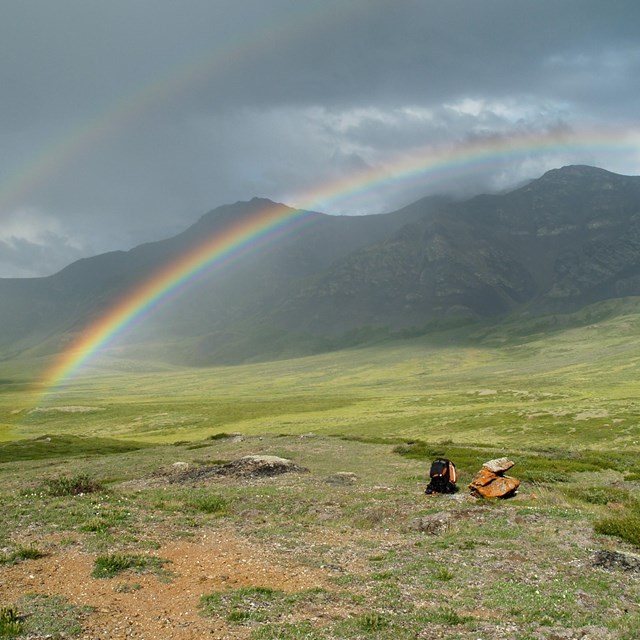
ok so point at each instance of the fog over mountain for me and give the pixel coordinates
(121, 122)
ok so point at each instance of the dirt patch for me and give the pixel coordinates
(159, 607)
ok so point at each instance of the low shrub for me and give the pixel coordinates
(598, 495)
(72, 485)
(625, 526)
(543, 477)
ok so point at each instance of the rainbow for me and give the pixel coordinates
(272, 220)
(69, 145)
(432, 164)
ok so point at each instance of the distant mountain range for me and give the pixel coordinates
(563, 241)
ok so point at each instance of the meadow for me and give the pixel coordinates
(88, 488)
(559, 381)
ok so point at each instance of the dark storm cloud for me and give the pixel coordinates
(122, 122)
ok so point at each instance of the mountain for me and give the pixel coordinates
(556, 244)
(46, 313)
(566, 240)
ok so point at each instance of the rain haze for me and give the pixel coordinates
(123, 122)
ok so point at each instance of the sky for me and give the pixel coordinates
(123, 122)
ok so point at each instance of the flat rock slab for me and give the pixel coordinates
(246, 467)
(499, 465)
(260, 466)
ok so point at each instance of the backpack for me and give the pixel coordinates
(443, 477)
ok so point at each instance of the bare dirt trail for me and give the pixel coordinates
(159, 608)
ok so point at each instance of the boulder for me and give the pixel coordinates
(617, 560)
(484, 477)
(490, 482)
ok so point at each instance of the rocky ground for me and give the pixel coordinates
(343, 556)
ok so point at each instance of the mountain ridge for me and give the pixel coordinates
(564, 240)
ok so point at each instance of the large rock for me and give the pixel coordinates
(490, 482)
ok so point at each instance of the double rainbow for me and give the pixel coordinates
(214, 252)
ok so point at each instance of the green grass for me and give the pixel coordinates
(57, 446)
(523, 562)
(21, 553)
(75, 485)
(572, 387)
(50, 616)
(625, 526)
(112, 564)
(10, 623)
(256, 604)
(208, 503)
(560, 399)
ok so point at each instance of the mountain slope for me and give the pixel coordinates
(565, 240)
(47, 312)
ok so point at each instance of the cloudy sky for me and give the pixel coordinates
(123, 121)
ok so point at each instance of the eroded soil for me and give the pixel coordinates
(159, 607)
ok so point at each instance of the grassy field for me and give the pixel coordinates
(88, 489)
(154, 551)
(541, 382)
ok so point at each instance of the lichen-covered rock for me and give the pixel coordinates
(490, 482)
(499, 465)
(617, 560)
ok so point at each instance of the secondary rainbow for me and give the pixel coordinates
(217, 250)
(223, 248)
(68, 146)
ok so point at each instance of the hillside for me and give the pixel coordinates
(561, 242)
(555, 245)
(346, 547)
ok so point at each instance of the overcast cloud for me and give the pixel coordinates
(122, 122)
